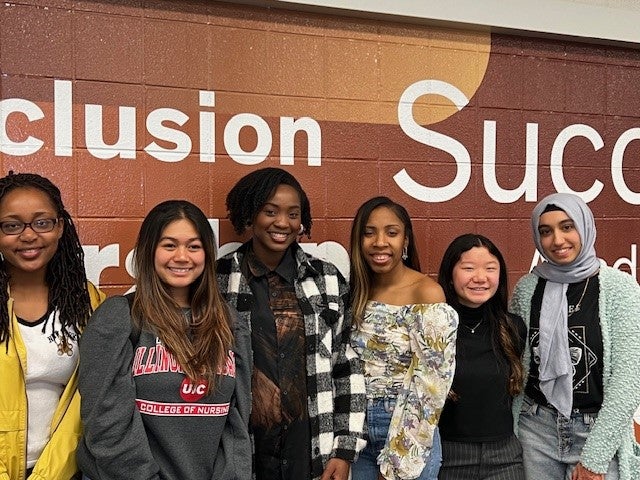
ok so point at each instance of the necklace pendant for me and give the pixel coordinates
(576, 308)
(473, 329)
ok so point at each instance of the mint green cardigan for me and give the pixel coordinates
(612, 433)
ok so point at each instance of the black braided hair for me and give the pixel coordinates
(249, 195)
(65, 275)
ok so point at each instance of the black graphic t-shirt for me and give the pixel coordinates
(585, 345)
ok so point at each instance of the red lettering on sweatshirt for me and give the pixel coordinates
(148, 407)
(166, 362)
(192, 392)
(138, 366)
(229, 367)
(156, 359)
(150, 366)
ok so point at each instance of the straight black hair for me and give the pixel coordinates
(504, 335)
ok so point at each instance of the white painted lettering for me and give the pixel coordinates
(288, 129)
(63, 118)
(557, 153)
(207, 128)
(631, 263)
(617, 157)
(29, 145)
(528, 187)
(162, 124)
(232, 139)
(96, 260)
(156, 126)
(433, 139)
(125, 146)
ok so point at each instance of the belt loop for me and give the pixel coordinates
(534, 408)
(589, 419)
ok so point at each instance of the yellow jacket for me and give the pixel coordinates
(58, 459)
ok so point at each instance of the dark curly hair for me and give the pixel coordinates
(65, 275)
(249, 195)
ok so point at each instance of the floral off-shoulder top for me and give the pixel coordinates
(408, 353)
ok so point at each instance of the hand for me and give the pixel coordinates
(581, 473)
(337, 469)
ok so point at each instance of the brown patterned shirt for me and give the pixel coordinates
(279, 418)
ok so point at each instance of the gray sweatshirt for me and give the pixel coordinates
(143, 419)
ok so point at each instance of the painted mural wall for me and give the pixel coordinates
(124, 104)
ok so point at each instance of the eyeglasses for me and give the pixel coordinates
(16, 227)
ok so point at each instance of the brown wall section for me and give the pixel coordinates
(347, 75)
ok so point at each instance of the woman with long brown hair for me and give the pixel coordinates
(164, 376)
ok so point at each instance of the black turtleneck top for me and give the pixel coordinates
(482, 410)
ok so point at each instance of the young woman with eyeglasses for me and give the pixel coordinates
(45, 302)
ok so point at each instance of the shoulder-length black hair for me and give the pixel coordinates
(499, 302)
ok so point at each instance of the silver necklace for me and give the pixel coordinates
(473, 330)
(576, 308)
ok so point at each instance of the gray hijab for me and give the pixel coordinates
(555, 370)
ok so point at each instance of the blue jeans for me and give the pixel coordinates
(379, 413)
(552, 443)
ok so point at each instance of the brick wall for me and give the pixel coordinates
(109, 99)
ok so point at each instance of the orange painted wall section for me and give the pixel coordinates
(124, 104)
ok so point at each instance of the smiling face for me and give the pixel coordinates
(28, 252)
(276, 225)
(383, 241)
(559, 238)
(476, 277)
(179, 259)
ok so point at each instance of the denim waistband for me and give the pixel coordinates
(576, 412)
(386, 401)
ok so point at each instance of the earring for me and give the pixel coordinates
(301, 231)
(405, 252)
